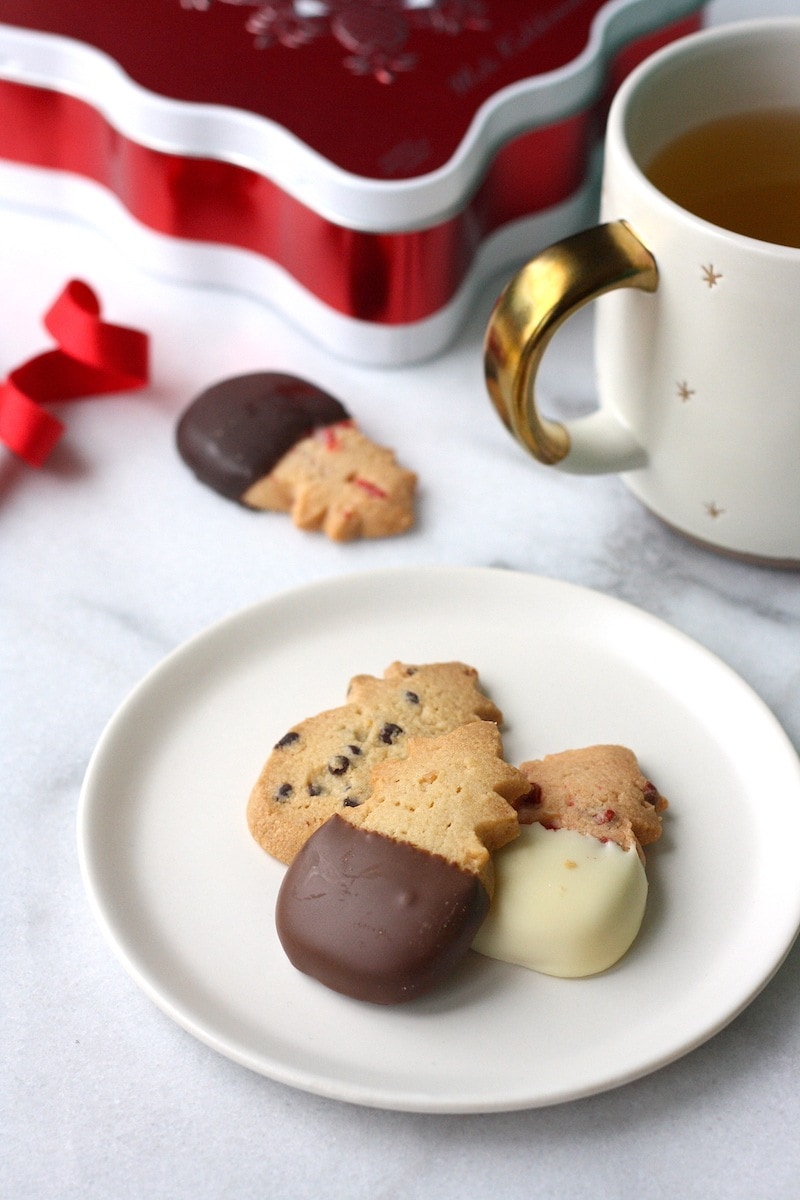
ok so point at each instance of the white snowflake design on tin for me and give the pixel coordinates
(373, 32)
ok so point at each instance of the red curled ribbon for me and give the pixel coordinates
(93, 358)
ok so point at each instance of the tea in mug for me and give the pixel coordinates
(740, 172)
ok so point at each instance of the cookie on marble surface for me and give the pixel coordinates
(324, 764)
(599, 791)
(340, 482)
(383, 901)
(272, 441)
(237, 430)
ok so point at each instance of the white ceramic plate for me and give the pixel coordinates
(186, 897)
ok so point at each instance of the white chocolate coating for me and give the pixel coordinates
(564, 904)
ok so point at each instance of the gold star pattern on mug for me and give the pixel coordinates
(684, 391)
(711, 277)
(713, 509)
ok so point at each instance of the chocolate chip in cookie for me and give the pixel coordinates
(324, 764)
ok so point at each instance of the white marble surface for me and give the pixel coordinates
(111, 556)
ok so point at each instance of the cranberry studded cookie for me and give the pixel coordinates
(324, 764)
(275, 442)
(597, 790)
(338, 481)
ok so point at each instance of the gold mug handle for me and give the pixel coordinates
(532, 306)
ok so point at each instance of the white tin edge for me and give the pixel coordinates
(198, 264)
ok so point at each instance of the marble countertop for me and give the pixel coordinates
(112, 555)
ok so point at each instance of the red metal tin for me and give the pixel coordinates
(360, 164)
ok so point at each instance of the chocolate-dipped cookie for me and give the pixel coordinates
(383, 901)
(275, 442)
(235, 432)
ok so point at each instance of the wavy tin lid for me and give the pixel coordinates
(378, 115)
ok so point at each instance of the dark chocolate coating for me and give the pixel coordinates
(235, 432)
(375, 918)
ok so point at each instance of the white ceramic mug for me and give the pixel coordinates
(697, 334)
